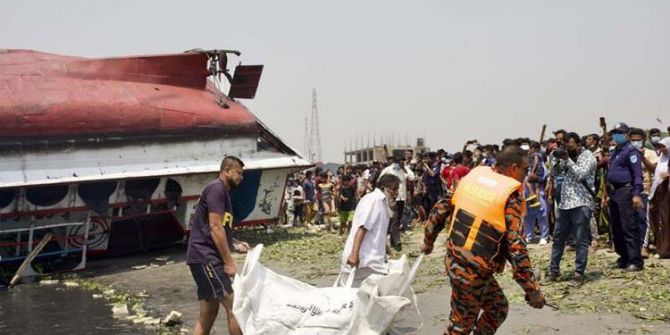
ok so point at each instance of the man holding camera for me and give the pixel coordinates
(575, 205)
(556, 177)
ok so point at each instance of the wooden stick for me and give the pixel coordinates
(544, 128)
(29, 259)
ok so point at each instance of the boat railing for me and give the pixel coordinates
(31, 242)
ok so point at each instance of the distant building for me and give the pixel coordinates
(373, 153)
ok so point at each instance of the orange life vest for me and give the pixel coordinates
(478, 223)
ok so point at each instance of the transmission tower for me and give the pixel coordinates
(306, 148)
(314, 133)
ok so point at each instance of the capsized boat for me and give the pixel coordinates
(111, 154)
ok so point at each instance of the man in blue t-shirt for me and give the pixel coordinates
(210, 246)
(309, 188)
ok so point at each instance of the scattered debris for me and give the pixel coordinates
(149, 321)
(154, 265)
(645, 295)
(97, 296)
(138, 309)
(139, 267)
(162, 259)
(70, 284)
(48, 282)
(174, 318)
(120, 311)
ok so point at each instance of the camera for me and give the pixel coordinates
(559, 152)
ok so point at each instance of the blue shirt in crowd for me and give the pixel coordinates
(625, 166)
(308, 187)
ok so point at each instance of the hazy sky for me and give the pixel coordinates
(449, 70)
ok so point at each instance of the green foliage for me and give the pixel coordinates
(645, 294)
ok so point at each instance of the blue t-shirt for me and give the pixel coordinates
(625, 166)
(432, 181)
(215, 198)
(308, 187)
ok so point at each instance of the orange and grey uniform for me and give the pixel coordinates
(437, 220)
(486, 230)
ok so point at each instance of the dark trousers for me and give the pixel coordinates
(298, 216)
(625, 227)
(396, 220)
(433, 193)
(577, 220)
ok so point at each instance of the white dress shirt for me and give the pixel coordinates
(372, 213)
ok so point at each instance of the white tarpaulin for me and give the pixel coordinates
(269, 303)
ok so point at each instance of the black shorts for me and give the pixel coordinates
(211, 280)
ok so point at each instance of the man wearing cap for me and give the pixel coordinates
(655, 139)
(624, 181)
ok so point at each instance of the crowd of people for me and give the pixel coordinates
(315, 197)
(569, 189)
(577, 189)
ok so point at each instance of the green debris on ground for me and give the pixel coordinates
(645, 294)
(304, 254)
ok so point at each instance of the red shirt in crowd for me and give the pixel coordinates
(457, 172)
(446, 172)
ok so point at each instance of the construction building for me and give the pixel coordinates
(377, 152)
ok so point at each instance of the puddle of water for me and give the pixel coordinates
(54, 309)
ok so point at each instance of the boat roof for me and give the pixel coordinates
(53, 97)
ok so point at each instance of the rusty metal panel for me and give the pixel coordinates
(245, 81)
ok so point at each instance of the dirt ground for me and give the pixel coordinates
(611, 302)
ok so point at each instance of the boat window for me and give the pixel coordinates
(46, 195)
(7, 196)
(141, 189)
(138, 193)
(96, 195)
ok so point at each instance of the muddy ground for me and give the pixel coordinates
(611, 302)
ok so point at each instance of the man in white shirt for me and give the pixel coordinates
(404, 173)
(365, 248)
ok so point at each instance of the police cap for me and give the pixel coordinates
(620, 128)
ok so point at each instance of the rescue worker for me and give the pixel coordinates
(624, 181)
(486, 230)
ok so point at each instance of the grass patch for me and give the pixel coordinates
(304, 254)
(645, 294)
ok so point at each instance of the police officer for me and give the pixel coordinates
(624, 180)
(486, 230)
